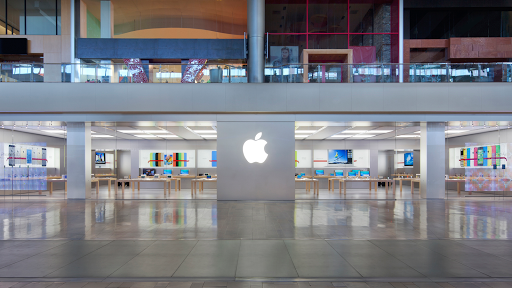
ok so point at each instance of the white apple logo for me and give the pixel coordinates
(254, 150)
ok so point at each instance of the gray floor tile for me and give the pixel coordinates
(316, 258)
(368, 259)
(161, 259)
(211, 259)
(264, 258)
(425, 261)
(51, 260)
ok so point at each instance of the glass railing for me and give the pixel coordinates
(237, 73)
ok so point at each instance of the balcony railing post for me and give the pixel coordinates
(32, 72)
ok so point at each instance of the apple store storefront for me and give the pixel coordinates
(288, 160)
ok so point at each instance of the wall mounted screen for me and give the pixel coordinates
(408, 159)
(340, 157)
(100, 158)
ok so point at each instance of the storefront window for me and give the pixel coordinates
(334, 25)
(30, 17)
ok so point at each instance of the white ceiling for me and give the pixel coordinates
(207, 130)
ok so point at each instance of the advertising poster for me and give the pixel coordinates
(284, 55)
(29, 156)
(12, 155)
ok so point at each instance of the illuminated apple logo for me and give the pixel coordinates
(254, 150)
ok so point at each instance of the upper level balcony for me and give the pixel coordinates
(237, 73)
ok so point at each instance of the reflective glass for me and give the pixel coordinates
(41, 17)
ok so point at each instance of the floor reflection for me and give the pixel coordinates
(189, 219)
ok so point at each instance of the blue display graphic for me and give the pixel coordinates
(408, 159)
(337, 157)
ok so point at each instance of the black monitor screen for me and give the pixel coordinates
(13, 46)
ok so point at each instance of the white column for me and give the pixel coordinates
(107, 19)
(401, 40)
(432, 164)
(79, 160)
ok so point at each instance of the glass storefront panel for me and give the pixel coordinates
(285, 16)
(41, 17)
(15, 15)
(371, 16)
(328, 41)
(477, 160)
(328, 16)
(34, 156)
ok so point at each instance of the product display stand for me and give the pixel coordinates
(308, 181)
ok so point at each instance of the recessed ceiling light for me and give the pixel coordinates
(455, 131)
(301, 136)
(305, 131)
(379, 131)
(209, 136)
(145, 136)
(102, 136)
(130, 131)
(363, 136)
(54, 131)
(156, 131)
(168, 136)
(341, 136)
(408, 136)
(205, 131)
(355, 131)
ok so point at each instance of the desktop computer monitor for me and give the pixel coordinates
(167, 171)
(183, 172)
(338, 173)
(365, 173)
(149, 172)
(319, 172)
(352, 174)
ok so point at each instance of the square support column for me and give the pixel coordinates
(79, 160)
(432, 154)
(107, 19)
(271, 180)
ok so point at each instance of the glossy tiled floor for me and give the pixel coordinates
(258, 284)
(211, 194)
(348, 240)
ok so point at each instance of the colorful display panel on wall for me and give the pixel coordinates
(152, 159)
(478, 156)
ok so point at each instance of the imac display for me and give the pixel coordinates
(408, 159)
(100, 158)
(167, 172)
(149, 172)
(353, 174)
(365, 173)
(338, 173)
(319, 172)
(183, 172)
(339, 156)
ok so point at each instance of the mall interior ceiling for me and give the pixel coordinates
(207, 130)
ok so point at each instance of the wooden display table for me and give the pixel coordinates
(458, 181)
(402, 175)
(401, 180)
(308, 181)
(201, 182)
(109, 180)
(104, 175)
(166, 181)
(184, 177)
(370, 181)
(331, 181)
(59, 180)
